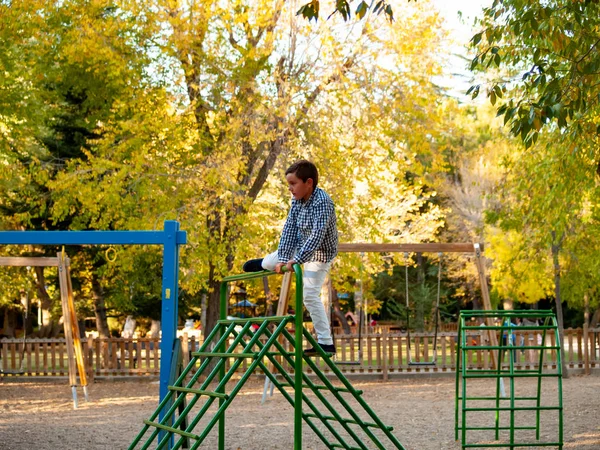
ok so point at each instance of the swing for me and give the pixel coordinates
(357, 362)
(433, 361)
(21, 369)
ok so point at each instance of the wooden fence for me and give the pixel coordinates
(383, 354)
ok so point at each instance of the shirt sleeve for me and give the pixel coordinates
(289, 237)
(324, 212)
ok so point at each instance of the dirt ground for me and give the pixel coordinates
(40, 415)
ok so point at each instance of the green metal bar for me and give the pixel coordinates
(333, 389)
(298, 372)
(306, 400)
(536, 444)
(510, 313)
(511, 359)
(223, 313)
(521, 327)
(512, 374)
(559, 382)
(196, 391)
(167, 399)
(243, 379)
(353, 422)
(494, 398)
(322, 388)
(463, 341)
(358, 398)
(500, 347)
(216, 369)
(457, 379)
(323, 400)
(224, 355)
(517, 408)
(170, 429)
(255, 319)
(502, 428)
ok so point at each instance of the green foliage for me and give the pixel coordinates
(544, 63)
(311, 10)
(390, 288)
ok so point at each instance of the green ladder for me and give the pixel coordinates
(334, 420)
(497, 325)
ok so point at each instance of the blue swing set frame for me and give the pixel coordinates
(170, 238)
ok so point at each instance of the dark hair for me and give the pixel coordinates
(304, 170)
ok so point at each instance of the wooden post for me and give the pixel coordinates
(282, 306)
(586, 334)
(68, 326)
(384, 362)
(487, 304)
(74, 347)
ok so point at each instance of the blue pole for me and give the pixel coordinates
(170, 238)
(170, 297)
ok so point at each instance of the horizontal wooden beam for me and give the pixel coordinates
(410, 248)
(32, 261)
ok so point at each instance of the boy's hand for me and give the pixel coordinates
(288, 266)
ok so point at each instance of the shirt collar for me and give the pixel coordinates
(310, 199)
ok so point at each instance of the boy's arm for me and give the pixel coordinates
(289, 238)
(325, 213)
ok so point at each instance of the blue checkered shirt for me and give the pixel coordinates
(310, 232)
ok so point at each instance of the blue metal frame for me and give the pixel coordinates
(170, 238)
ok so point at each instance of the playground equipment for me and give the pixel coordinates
(436, 310)
(170, 238)
(329, 414)
(75, 357)
(440, 248)
(521, 404)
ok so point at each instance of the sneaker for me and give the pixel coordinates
(253, 265)
(328, 349)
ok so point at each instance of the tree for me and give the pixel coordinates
(312, 9)
(256, 91)
(548, 61)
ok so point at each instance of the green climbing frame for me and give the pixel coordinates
(508, 429)
(333, 419)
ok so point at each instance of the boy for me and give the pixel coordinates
(309, 237)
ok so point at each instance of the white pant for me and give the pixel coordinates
(313, 278)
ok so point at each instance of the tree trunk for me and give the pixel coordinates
(48, 325)
(586, 333)
(203, 306)
(10, 323)
(337, 311)
(419, 304)
(557, 298)
(595, 319)
(154, 329)
(213, 306)
(269, 297)
(99, 308)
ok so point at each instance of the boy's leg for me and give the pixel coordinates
(270, 261)
(259, 264)
(314, 276)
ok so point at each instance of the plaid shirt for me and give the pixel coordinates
(310, 232)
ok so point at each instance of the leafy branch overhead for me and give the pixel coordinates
(312, 9)
(544, 63)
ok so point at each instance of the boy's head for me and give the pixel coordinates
(302, 178)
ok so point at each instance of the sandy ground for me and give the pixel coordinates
(40, 415)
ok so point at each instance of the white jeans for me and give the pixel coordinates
(313, 278)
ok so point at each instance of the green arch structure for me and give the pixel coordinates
(330, 406)
(516, 417)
